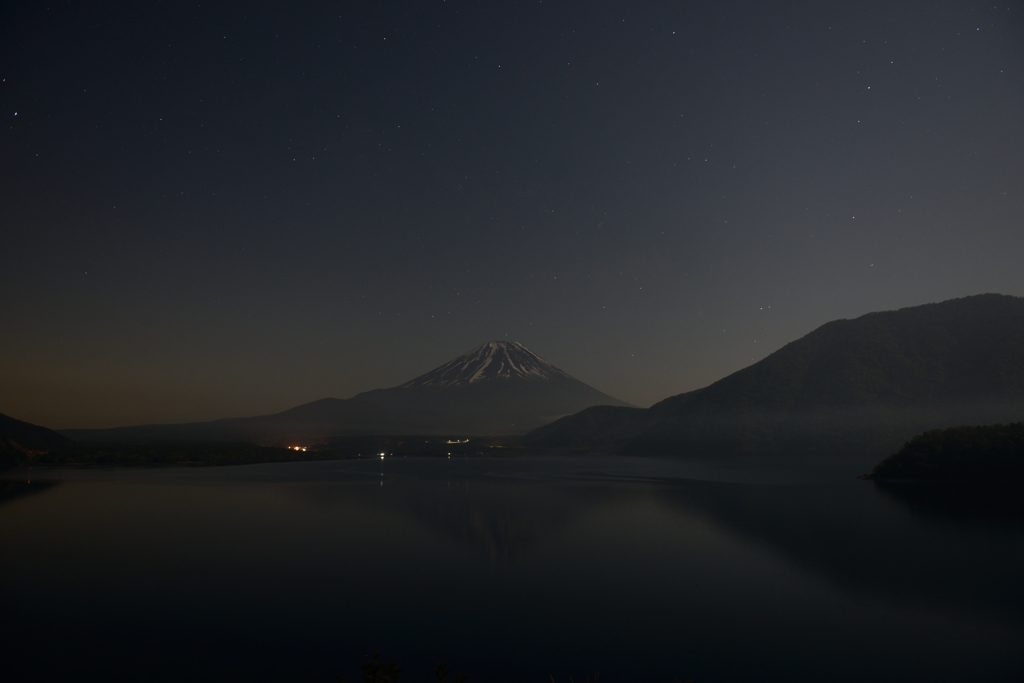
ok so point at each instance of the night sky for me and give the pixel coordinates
(225, 209)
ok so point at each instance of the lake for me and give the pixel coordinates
(514, 569)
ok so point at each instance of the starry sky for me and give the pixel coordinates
(230, 208)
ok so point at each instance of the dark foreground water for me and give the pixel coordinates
(507, 569)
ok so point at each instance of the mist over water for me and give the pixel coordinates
(507, 569)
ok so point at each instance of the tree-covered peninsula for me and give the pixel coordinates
(986, 453)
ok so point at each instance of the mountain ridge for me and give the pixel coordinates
(18, 437)
(862, 385)
(320, 419)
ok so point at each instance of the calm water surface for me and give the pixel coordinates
(507, 569)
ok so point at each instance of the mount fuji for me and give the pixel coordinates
(499, 388)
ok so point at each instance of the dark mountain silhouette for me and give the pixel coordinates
(499, 388)
(861, 386)
(19, 438)
(309, 423)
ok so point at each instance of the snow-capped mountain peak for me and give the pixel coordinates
(496, 360)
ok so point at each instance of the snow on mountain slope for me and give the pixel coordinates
(499, 388)
(493, 360)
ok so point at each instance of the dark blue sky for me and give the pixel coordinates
(222, 209)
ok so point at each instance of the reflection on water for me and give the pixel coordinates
(14, 489)
(861, 539)
(993, 503)
(501, 523)
(507, 569)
